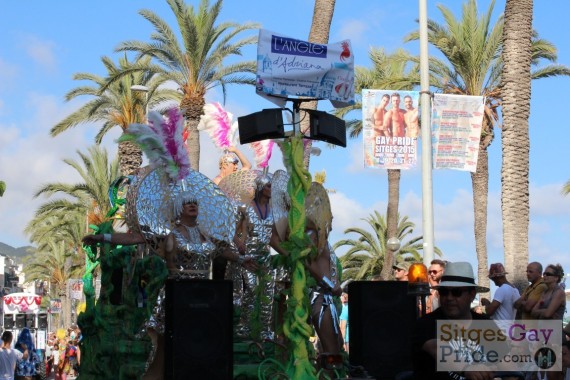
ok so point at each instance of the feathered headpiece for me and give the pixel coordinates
(219, 125)
(162, 142)
(262, 151)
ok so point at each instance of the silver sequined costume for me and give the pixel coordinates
(257, 246)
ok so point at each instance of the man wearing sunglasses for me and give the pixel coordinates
(401, 270)
(457, 290)
(435, 273)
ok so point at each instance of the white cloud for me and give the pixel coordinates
(41, 51)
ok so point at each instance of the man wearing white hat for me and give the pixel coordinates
(457, 290)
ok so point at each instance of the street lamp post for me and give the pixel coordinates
(427, 185)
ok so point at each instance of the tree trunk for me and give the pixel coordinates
(193, 108)
(130, 157)
(480, 184)
(516, 92)
(391, 220)
(320, 29)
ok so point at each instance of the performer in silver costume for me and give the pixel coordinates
(255, 290)
(324, 269)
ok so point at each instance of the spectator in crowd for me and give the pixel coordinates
(435, 272)
(9, 356)
(457, 290)
(501, 309)
(401, 270)
(532, 293)
(553, 301)
(26, 368)
(344, 320)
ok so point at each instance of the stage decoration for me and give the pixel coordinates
(21, 303)
(219, 125)
(262, 151)
(161, 141)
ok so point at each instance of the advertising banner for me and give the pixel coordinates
(55, 306)
(290, 67)
(76, 289)
(456, 131)
(390, 128)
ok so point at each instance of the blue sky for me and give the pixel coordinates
(44, 43)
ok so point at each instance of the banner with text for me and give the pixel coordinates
(456, 131)
(290, 67)
(390, 128)
(76, 289)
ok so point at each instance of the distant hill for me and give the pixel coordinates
(15, 253)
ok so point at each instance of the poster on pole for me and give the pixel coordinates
(76, 289)
(456, 131)
(55, 306)
(290, 67)
(390, 128)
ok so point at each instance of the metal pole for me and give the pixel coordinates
(427, 194)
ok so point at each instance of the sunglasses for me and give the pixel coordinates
(434, 271)
(455, 292)
(548, 274)
(398, 269)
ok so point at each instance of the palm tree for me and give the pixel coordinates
(365, 256)
(320, 30)
(58, 256)
(194, 64)
(59, 225)
(472, 48)
(2, 188)
(116, 105)
(516, 77)
(388, 71)
(90, 197)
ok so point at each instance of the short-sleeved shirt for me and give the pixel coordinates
(506, 295)
(424, 330)
(344, 317)
(8, 359)
(533, 292)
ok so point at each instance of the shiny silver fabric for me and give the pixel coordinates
(153, 202)
(193, 257)
(257, 246)
(325, 294)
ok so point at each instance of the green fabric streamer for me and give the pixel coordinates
(295, 326)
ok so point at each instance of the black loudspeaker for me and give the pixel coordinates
(327, 127)
(380, 319)
(198, 330)
(31, 321)
(20, 321)
(8, 321)
(42, 321)
(263, 125)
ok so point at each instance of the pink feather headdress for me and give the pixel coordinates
(219, 124)
(162, 142)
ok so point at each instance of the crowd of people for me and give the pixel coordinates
(20, 359)
(452, 293)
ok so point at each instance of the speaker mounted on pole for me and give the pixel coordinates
(263, 125)
(327, 127)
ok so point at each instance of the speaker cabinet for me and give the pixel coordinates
(20, 321)
(8, 321)
(263, 125)
(381, 318)
(327, 127)
(42, 321)
(198, 330)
